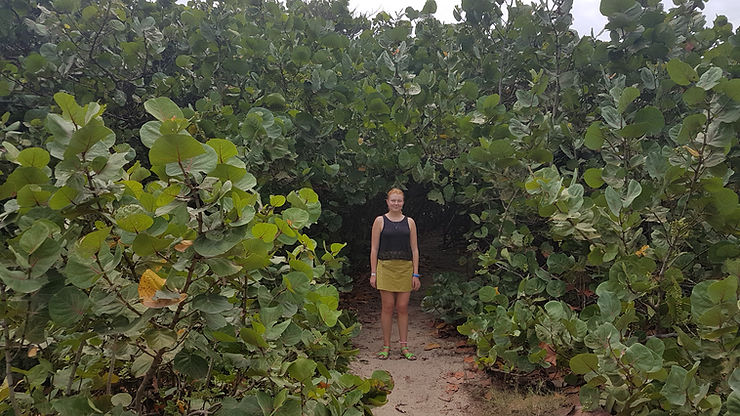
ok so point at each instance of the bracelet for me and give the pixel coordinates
(373, 274)
(416, 275)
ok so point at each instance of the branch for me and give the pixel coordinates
(8, 366)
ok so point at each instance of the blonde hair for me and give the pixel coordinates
(394, 191)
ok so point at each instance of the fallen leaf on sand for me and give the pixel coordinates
(451, 388)
(461, 343)
(469, 359)
(398, 407)
(432, 346)
(440, 325)
(447, 398)
(459, 374)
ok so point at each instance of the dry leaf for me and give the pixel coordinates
(551, 357)
(451, 388)
(459, 374)
(440, 325)
(151, 295)
(469, 359)
(33, 351)
(432, 346)
(691, 150)
(149, 284)
(183, 245)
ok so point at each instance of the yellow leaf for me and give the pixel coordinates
(642, 250)
(33, 351)
(4, 390)
(691, 150)
(149, 284)
(432, 346)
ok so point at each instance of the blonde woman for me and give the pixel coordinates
(394, 269)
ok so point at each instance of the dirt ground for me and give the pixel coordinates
(439, 382)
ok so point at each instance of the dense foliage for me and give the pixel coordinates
(597, 178)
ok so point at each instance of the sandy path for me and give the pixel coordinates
(439, 382)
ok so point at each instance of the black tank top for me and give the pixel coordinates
(395, 240)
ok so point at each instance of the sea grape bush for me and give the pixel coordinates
(168, 289)
(632, 280)
(599, 177)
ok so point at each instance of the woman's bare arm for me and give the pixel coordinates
(375, 243)
(414, 245)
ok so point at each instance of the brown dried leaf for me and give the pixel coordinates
(432, 346)
(183, 245)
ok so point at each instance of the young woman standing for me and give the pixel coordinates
(394, 269)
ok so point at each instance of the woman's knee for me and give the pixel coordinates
(402, 308)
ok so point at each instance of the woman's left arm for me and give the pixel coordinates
(416, 283)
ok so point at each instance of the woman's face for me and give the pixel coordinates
(395, 202)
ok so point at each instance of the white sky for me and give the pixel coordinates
(586, 13)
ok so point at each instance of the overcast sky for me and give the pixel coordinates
(586, 13)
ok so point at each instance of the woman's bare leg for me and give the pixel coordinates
(387, 301)
(402, 308)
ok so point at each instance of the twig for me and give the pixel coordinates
(78, 356)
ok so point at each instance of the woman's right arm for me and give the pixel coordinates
(374, 244)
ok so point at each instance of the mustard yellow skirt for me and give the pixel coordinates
(394, 275)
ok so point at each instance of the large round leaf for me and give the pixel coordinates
(68, 306)
(162, 108)
(191, 364)
(584, 363)
(174, 148)
(296, 217)
(211, 303)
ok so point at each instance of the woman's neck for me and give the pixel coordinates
(394, 216)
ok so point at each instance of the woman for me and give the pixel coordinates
(394, 269)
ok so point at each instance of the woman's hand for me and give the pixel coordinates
(373, 280)
(415, 283)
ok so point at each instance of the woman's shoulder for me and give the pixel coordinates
(378, 219)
